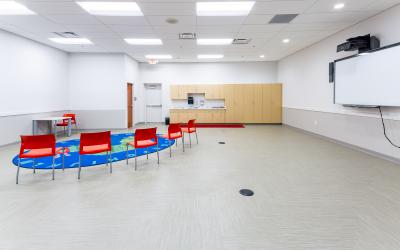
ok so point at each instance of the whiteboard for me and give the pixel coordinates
(372, 79)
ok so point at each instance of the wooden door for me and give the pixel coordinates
(130, 104)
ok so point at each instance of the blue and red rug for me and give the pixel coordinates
(118, 142)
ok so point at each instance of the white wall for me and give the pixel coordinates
(97, 89)
(202, 73)
(33, 81)
(308, 96)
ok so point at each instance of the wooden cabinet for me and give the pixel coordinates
(272, 103)
(214, 92)
(245, 103)
(201, 115)
(178, 92)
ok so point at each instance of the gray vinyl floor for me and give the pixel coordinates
(309, 194)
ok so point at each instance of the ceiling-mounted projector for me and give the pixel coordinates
(360, 43)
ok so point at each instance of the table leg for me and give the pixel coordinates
(69, 127)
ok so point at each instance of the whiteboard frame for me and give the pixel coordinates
(353, 56)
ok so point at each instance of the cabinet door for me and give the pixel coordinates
(174, 116)
(272, 103)
(174, 92)
(238, 103)
(229, 103)
(248, 104)
(218, 116)
(276, 103)
(258, 103)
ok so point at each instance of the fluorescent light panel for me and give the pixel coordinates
(63, 40)
(224, 8)
(286, 40)
(209, 56)
(215, 41)
(14, 8)
(111, 8)
(143, 41)
(158, 56)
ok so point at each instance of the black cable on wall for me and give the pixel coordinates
(384, 128)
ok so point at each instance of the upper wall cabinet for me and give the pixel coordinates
(179, 92)
(214, 91)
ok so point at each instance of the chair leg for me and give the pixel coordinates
(183, 143)
(147, 153)
(158, 155)
(196, 137)
(170, 151)
(19, 164)
(79, 172)
(135, 159)
(190, 141)
(176, 143)
(127, 156)
(54, 158)
(107, 158)
(110, 158)
(63, 161)
(34, 168)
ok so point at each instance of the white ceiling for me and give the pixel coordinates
(316, 20)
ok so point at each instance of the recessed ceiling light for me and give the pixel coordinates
(64, 40)
(209, 56)
(286, 40)
(14, 8)
(158, 56)
(262, 56)
(215, 41)
(338, 6)
(111, 8)
(224, 8)
(143, 41)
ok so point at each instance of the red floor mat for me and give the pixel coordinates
(222, 125)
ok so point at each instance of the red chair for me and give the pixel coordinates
(64, 123)
(174, 133)
(191, 128)
(94, 143)
(144, 138)
(38, 146)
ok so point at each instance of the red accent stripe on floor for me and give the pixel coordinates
(216, 125)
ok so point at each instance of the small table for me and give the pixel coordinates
(53, 122)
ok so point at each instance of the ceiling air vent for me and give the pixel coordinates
(241, 41)
(67, 34)
(283, 18)
(187, 36)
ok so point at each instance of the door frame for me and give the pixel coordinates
(130, 117)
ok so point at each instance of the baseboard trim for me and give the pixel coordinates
(348, 145)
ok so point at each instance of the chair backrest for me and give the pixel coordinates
(174, 128)
(192, 123)
(38, 142)
(73, 117)
(145, 134)
(92, 139)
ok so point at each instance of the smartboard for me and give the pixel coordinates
(371, 79)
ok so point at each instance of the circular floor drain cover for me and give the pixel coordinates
(246, 192)
(221, 142)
